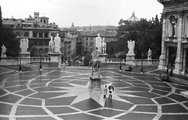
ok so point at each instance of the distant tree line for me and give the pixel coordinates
(8, 38)
(146, 34)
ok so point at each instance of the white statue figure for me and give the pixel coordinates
(131, 45)
(98, 42)
(3, 51)
(51, 45)
(149, 54)
(57, 41)
(103, 46)
(24, 44)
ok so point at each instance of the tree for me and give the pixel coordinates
(146, 34)
(1, 28)
(8, 38)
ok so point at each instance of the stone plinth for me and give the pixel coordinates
(25, 57)
(130, 59)
(103, 57)
(55, 58)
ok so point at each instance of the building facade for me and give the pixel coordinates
(37, 29)
(174, 48)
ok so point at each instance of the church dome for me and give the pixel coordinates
(133, 18)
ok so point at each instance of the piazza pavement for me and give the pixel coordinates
(57, 94)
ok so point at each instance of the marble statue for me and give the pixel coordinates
(3, 51)
(24, 44)
(51, 46)
(149, 54)
(103, 46)
(98, 42)
(57, 41)
(131, 46)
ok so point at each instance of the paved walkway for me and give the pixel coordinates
(70, 95)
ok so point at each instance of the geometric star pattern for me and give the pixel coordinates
(70, 94)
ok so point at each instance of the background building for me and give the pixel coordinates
(174, 49)
(37, 29)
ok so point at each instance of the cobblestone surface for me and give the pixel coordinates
(71, 95)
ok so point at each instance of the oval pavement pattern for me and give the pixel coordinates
(71, 95)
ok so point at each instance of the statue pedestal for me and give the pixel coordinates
(55, 58)
(103, 57)
(130, 59)
(25, 57)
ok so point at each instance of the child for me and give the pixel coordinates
(111, 89)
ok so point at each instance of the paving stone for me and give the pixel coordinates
(10, 98)
(60, 101)
(164, 100)
(4, 118)
(167, 89)
(35, 118)
(120, 84)
(27, 110)
(144, 94)
(106, 112)
(146, 109)
(42, 89)
(5, 109)
(80, 82)
(60, 110)
(135, 89)
(25, 92)
(88, 104)
(137, 116)
(13, 83)
(2, 92)
(80, 116)
(117, 104)
(174, 109)
(159, 92)
(30, 101)
(17, 88)
(138, 100)
(178, 98)
(174, 117)
(61, 84)
(46, 95)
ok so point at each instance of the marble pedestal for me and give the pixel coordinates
(103, 57)
(55, 58)
(25, 57)
(130, 59)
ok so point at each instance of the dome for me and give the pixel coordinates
(133, 18)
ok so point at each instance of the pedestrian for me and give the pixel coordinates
(111, 89)
(64, 64)
(105, 91)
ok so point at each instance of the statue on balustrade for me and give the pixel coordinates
(3, 51)
(57, 41)
(149, 54)
(24, 44)
(51, 46)
(103, 46)
(98, 43)
(131, 46)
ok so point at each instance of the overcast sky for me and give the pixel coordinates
(81, 12)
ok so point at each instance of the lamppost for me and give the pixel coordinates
(141, 70)
(40, 66)
(20, 66)
(120, 65)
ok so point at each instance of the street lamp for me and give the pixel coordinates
(141, 70)
(40, 68)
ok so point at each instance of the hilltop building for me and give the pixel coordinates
(37, 29)
(174, 48)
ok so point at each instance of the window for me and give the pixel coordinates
(46, 35)
(17, 34)
(46, 42)
(40, 34)
(26, 34)
(41, 43)
(34, 34)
